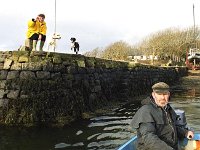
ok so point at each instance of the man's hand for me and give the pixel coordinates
(190, 135)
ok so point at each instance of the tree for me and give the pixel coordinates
(97, 52)
(169, 43)
(117, 51)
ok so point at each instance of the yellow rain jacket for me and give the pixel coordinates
(33, 27)
(43, 28)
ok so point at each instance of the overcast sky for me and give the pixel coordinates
(94, 23)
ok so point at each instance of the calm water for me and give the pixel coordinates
(104, 132)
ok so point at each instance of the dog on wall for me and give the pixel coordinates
(74, 45)
(52, 44)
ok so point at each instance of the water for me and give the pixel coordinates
(108, 131)
(187, 97)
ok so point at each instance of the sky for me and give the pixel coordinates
(94, 23)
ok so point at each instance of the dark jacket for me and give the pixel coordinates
(156, 127)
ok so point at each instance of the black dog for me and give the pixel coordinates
(74, 45)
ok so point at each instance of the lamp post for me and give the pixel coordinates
(54, 48)
(55, 18)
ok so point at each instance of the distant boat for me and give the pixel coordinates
(193, 59)
(193, 55)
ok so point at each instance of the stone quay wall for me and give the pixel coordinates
(42, 88)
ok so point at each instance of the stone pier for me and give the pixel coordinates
(43, 88)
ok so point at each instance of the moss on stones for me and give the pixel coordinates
(23, 59)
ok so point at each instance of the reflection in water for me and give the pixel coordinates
(108, 131)
(189, 100)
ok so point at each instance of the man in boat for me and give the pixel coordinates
(155, 122)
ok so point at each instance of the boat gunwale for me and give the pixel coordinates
(122, 147)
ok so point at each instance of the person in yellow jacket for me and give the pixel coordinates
(42, 31)
(36, 31)
(32, 33)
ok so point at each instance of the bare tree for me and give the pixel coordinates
(97, 52)
(117, 51)
(169, 43)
